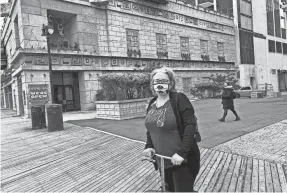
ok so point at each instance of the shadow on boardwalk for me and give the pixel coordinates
(83, 159)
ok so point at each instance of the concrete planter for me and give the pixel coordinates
(120, 110)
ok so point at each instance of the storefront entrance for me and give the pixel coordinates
(282, 81)
(64, 96)
(66, 90)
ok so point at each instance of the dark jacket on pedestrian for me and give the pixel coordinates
(186, 122)
(227, 97)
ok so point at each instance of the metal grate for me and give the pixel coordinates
(246, 47)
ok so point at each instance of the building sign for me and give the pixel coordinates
(177, 18)
(38, 93)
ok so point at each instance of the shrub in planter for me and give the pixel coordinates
(124, 86)
(123, 96)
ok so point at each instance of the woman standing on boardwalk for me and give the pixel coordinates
(170, 124)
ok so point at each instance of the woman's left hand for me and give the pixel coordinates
(176, 159)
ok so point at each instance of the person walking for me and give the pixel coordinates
(170, 124)
(227, 101)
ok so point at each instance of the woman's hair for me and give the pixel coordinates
(170, 75)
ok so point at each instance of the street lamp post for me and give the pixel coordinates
(47, 30)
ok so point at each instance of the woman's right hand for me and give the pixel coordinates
(149, 152)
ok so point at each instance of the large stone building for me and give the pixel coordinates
(261, 43)
(95, 37)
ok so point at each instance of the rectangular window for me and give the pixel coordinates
(220, 48)
(279, 47)
(283, 33)
(277, 18)
(186, 82)
(16, 31)
(161, 46)
(184, 47)
(284, 48)
(270, 18)
(246, 22)
(133, 43)
(245, 15)
(245, 8)
(271, 46)
(283, 27)
(246, 47)
(204, 47)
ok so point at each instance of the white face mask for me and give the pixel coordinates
(160, 87)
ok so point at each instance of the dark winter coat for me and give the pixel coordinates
(186, 122)
(227, 101)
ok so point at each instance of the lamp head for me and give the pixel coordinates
(50, 27)
(50, 30)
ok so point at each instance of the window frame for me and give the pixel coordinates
(270, 48)
(130, 38)
(201, 50)
(278, 50)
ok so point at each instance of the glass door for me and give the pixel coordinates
(64, 95)
(69, 99)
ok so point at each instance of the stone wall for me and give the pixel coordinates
(89, 85)
(126, 17)
(120, 110)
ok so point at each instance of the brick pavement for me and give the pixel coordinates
(268, 143)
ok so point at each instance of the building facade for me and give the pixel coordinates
(95, 37)
(261, 43)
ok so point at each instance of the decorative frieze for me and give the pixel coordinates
(107, 62)
(76, 61)
(41, 60)
(143, 10)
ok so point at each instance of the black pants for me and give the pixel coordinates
(233, 111)
(179, 179)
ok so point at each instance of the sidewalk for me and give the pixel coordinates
(85, 159)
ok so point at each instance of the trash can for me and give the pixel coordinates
(38, 116)
(54, 117)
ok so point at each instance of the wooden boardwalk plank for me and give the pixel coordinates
(76, 159)
(207, 169)
(80, 149)
(261, 169)
(203, 166)
(248, 175)
(53, 157)
(95, 173)
(220, 180)
(229, 173)
(275, 177)
(211, 172)
(282, 177)
(268, 178)
(242, 175)
(214, 180)
(126, 167)
(102, 165)
(236, 172)
(55, 169)
(255, 176)
(152, 177)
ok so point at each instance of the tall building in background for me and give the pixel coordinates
(261, 43)
(93, 37)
